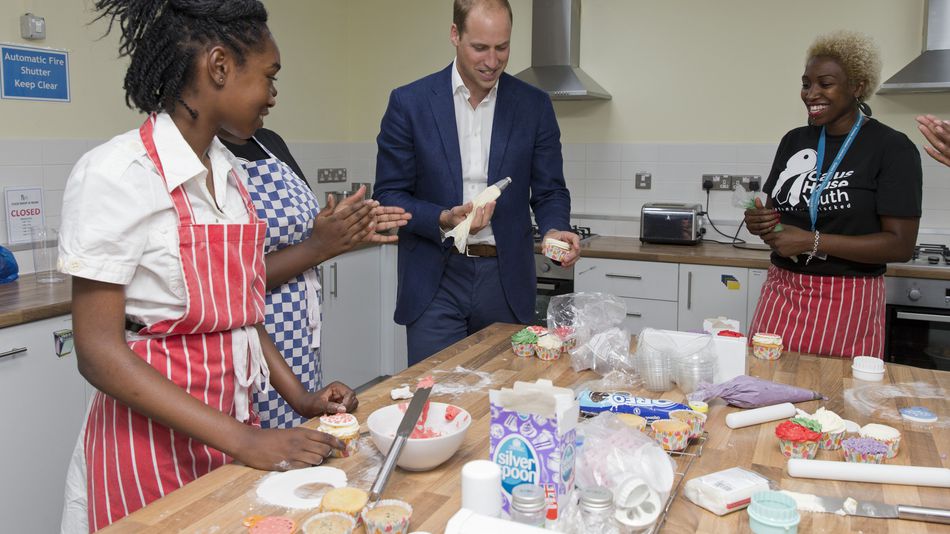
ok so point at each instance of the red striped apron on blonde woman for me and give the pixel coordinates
(132, 460)
(828, 315)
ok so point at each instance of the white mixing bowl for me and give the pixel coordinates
(420, 454)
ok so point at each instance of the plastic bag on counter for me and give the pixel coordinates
(590, 322)
(746, 200)
(750, 392)
(616, 380)
(614, 455)
(9, 270)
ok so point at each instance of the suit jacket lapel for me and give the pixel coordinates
(443, 108)
(505, 108)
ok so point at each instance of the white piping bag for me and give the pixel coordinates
(490, 193)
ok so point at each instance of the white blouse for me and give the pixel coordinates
(119, 224)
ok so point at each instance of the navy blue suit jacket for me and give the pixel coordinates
(419, 168)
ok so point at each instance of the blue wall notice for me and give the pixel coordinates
(34, 73)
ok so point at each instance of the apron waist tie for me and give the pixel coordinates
(312, 283)
(250, 368)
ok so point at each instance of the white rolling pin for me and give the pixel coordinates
(466, 521)
(760, 415)
(907, 475)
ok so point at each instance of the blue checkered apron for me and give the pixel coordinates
(288, 206)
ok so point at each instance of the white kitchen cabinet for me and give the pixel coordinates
(711, 291)
(649, 289)
(395, 353)
(756, 280)
(44, 403)
(350, 347)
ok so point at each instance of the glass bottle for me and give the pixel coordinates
(597, 509)
(528, 505)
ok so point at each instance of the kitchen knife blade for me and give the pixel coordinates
(409, 420)
(849, 506)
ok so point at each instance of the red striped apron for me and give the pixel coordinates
(827, 315)
(132, 460)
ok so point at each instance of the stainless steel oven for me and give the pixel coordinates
(918, 322)
(553, 280)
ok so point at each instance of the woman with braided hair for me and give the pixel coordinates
(166, 253)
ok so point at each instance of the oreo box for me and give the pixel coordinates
(532, 432)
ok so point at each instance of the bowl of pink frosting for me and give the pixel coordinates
(438, 434)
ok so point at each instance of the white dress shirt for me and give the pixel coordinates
(119, 224)
(474, 129)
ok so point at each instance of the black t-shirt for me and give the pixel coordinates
(879, 176)
(252, 152)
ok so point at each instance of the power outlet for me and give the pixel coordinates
(749, 182)
(327, 176)
(720, 182)
(644, 180)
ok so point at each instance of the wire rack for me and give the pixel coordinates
(684, 461)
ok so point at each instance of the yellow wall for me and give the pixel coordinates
(679, 70)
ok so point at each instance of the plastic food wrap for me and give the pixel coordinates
(594, 319)
(751, 392)
(746, 200)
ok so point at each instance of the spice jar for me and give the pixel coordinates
(528, 505)
(597, 509)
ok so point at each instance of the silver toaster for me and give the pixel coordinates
(671, 223)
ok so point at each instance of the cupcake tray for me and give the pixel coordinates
(684, 461)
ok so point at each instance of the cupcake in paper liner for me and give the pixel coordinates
(522, 343)
(567, 336)
(695, 420)
(832, 428)
(538, 330)
(329, 523)
(344, 427)
(887, 435)
(767, 346)
(798, 438)
(864, 450)
(389, 516)
(671, 434)
(548, 348)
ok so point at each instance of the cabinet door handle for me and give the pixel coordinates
(689, 290)
(12, 352)
(634, 314)
(627, 276)
(334, 291)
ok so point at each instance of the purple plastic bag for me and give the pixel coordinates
(750, 392)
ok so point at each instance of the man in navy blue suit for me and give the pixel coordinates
(443, 139)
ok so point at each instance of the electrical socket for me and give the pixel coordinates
(644, 180)
(749, 182)
(326, 176)
(720, 182)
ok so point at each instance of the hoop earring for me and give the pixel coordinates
(864, 107)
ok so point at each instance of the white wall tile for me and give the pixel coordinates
(627, 228)
(756, 153)
(578, 205)
(63, 151)
(21, 176)
(55, 176)
(603, 188)
(603, 206)
(17, 152)
(574, 152)
(604, 152)
(697, 153)
(576, 187)
(629, 169)
(636, 152)
(603, 170)
(576, 170)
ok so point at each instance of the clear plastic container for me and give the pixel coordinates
(691, 369)
(655, 368)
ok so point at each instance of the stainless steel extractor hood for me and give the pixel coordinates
(930, 71)
(555, 52)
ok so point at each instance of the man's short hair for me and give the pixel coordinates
(463, 7)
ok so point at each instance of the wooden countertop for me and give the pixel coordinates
(219, 501)
(25, 300)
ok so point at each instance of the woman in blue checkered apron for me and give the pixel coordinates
(300, 237)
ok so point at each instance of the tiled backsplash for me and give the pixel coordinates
(600, 177)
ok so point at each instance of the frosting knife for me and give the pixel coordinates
(882, 510)
(409, 420)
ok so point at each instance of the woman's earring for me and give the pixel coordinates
(864, 107)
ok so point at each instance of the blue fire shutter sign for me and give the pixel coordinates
(34, 73)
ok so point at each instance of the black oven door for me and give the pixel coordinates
(547, 288)
(918, 336)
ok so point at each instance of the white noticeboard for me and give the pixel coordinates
(24, 209)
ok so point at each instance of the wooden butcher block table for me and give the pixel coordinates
(220, 500)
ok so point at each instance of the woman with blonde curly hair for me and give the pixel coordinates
(844, 199)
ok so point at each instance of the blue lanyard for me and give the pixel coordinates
(816, 193)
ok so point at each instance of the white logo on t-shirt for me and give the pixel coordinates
(796, 183)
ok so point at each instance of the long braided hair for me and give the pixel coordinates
(162, 38)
